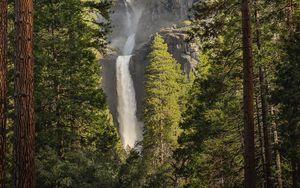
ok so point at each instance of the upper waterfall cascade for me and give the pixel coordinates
(131, 129)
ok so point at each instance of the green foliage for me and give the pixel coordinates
(287, 97)
(210, 152)
(212, 120)
(130, 172)
(161, 109)
(162, 88)
(77, 144)
(161, 113)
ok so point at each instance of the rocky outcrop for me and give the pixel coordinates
(108, 73)
(183, 50)
(161, 13)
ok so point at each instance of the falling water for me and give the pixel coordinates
(130, 128)
(129, 45)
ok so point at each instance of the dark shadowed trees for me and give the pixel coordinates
(286, 96)
(3, 87)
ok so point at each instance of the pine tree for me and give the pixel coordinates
(3, 89)
(212, 120)
(161, 112)
(286, 95)
(77, 144)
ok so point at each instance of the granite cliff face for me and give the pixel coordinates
(162, 16)
(154, 14)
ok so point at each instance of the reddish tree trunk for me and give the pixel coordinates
(3, 87)
(24, 168)
(249, 155)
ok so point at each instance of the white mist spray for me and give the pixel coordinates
(131, 129)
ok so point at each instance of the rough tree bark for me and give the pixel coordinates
(249, 155)
(24, 130)
(3, 87)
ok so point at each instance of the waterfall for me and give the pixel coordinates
(130, 128)
(129, 45)
(129, 125)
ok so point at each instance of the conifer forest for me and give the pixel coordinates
(149, 93)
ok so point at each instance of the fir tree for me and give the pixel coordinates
(213, 117)
(286, 96)
(161, 112)
(211, 121)
(77, 144)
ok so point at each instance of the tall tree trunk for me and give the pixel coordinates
(261, 142)
(264, 109)
(295, 169)
(298, 174)
(161, 154)
(290, 12)
(277, 154)
(266, 126)
(24, 130)
(3, 87)
(249, 155)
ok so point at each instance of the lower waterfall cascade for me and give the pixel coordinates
(130, 128)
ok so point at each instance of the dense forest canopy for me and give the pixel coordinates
(160, 93)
